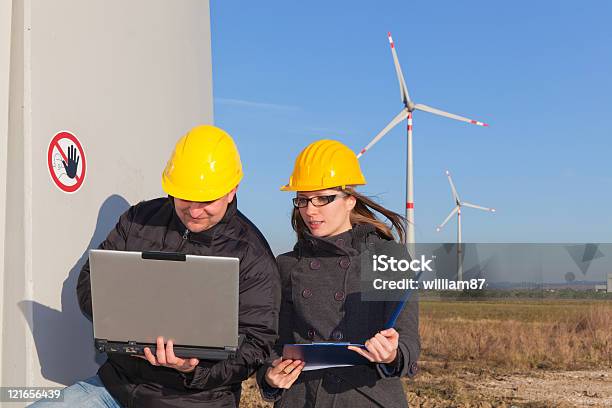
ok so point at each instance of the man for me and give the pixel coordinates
(198, 217)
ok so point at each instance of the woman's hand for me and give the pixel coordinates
(283, 373)
(382, 348)
(164, 356)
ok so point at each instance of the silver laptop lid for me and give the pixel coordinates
(193, 301)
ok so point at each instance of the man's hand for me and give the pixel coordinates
(382, 348)
(164, 356)
(283, 373)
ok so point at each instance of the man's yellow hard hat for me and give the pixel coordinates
(204, 166)
(325, 164)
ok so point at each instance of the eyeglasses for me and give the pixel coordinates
(317, 201)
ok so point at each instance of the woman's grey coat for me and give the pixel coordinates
(321, 302)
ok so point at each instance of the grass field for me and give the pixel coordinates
(518, 334)
(519, 310)
(503, 353)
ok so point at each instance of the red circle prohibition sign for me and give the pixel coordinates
(82, 164)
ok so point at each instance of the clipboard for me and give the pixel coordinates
(318, 356)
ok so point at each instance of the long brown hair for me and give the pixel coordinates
(362, 213)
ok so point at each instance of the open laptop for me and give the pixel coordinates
(137, 296)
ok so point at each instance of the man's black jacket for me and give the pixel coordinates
(154, 226)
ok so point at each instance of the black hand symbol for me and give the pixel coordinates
(73, 162)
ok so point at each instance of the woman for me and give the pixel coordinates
(321, 297)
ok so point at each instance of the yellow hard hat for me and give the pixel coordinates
(325, 164)
(204, 166)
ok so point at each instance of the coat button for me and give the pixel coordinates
(337, 335)
(340, 242)
(414, 368)
(307, 293)
(315, 264)
(311, 334)
(339, 295)
(344, 262)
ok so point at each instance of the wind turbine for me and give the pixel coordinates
(457, 210)
(406, 113)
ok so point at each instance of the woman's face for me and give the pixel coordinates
(330, 219)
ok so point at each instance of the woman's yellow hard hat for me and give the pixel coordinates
(325, 164)
(204, 166)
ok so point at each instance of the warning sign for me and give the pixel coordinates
(66, 162)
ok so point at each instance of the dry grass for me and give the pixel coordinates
(519, 335)
(486, 353)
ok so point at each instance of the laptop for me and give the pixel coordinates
(138, 296)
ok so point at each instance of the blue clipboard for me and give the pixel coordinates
(324, 355)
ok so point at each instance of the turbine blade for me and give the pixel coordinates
(435, 111)
(453, 189)
(439, 227)
(401, 116)
(400, 76)
(478, 207)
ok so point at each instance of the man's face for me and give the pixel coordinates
(200, 216)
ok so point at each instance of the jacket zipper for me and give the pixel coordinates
(185, 238)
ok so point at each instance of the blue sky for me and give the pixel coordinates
(287, 73)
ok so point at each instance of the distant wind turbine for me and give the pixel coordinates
(406, 113)
(457, 210)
